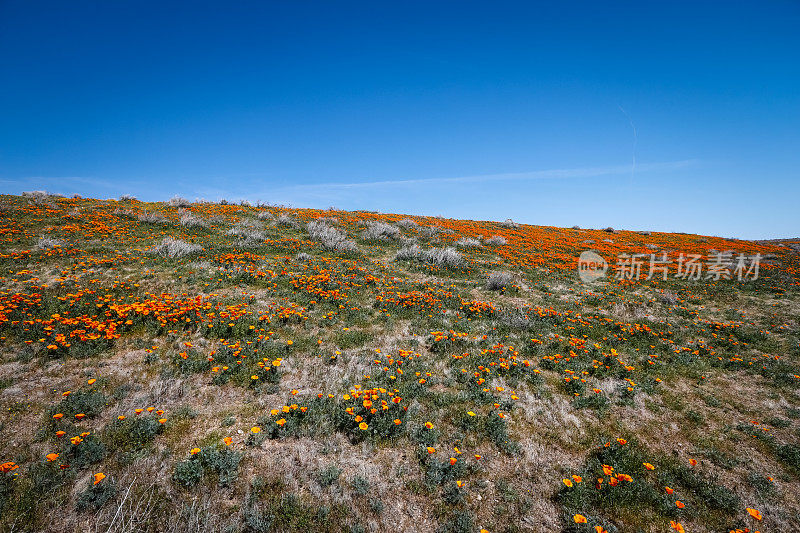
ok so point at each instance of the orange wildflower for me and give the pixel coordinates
(677, 526)
(754, 513)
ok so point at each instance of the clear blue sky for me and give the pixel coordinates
(481, 110)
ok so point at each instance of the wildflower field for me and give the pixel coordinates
(188, 366)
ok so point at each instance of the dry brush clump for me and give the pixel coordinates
(249, 233)
(468, 242)
(497, 240)
(330, 237)
(190, 220)
(178, 201)
(46, 243)
(448, 258)
(499, 280)
(508, 223)
(429, 232)
(409, 253)
(175, 248)
(407, 224)
(43, 198)
(380, 231)
(285, 220)
(149, 217)
(443, 257)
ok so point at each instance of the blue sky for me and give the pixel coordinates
(683, 116)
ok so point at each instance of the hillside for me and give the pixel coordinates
(187, 366)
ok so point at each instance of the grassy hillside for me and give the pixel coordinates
(198, 366)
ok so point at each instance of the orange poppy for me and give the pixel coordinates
(754, 513)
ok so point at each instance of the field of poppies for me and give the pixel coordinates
(198, 366)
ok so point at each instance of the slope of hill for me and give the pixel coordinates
(202, 366)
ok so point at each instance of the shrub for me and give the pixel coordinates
(468, 242)
(189, 220)
(360, 485)
(265, 215)
(152, 218)
(790, 454)
(224, 463)
(96, 495)
(406, 253)
(499, 280)
(286, 221)
(177, 201)
(88, 452)
(188, 473)
(88, 402)
(508, 223)
(497, 431)
(407, 223)
(430, 231)
(127, 198)
(329, 475)
(303, 257)
(380, 231)
(249, 234)
(37, 195)
(45, 243)
(460, 522)
(497, 240)
(376, 505)
(330, 237)
(171, 247)
(132, 433)
(443, 257)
